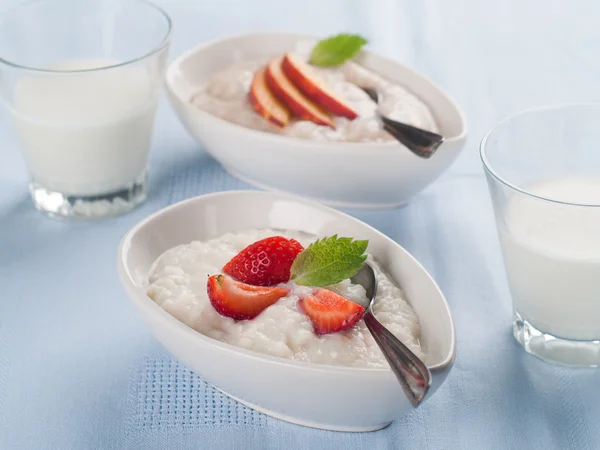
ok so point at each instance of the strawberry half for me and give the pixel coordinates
(266, 262)
(330, 312)
(238, 300)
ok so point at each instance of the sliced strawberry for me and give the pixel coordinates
(241, 301)
(330, 312)
(266, 262)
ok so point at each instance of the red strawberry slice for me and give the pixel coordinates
(266, 262)
(241, 301)
(330, 312)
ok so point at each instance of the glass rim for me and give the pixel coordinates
(163, 43)
(488, 167)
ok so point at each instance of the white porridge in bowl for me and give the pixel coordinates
(226, 95)
(178, 283)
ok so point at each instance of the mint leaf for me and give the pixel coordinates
(328, 261)
(335, 50)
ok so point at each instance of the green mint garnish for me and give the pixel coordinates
(335, 50)
(329, 261)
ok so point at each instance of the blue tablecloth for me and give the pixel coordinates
(79, 369)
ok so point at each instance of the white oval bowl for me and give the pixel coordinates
(316, 395)
(344, 174)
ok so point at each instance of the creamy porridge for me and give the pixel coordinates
(226, 95)
(178, 281)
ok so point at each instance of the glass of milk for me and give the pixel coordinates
(81, 79)
(543, 173)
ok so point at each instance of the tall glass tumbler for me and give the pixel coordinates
(81, 80)
(543, 173)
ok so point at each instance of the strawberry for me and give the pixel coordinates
(266, 262)
(330, 312)
(241, 301)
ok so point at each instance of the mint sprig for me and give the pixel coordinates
(335, 50)
(329, 261)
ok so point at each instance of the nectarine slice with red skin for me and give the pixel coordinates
(307, 81)
(293, 98)
(265, 103)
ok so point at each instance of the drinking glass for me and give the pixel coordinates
(543, 171)
(81, 80)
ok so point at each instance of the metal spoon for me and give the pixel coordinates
(412, 373)
(421, 142)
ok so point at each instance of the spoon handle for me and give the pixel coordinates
(412, 374)
(422, 143)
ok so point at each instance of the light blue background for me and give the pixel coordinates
(78, 368)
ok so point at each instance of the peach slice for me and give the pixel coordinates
(305, 79)
(265, 103)
(295, 100)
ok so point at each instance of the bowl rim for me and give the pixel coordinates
(142, 300)
(391, 146)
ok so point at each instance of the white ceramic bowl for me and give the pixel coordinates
(347, 174)
(330, 397)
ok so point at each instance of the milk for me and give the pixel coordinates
(85, 133)
(552, 255)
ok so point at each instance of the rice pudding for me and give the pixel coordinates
(178, 280)
(225, 95)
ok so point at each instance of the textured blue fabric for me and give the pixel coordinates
(79, 369)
